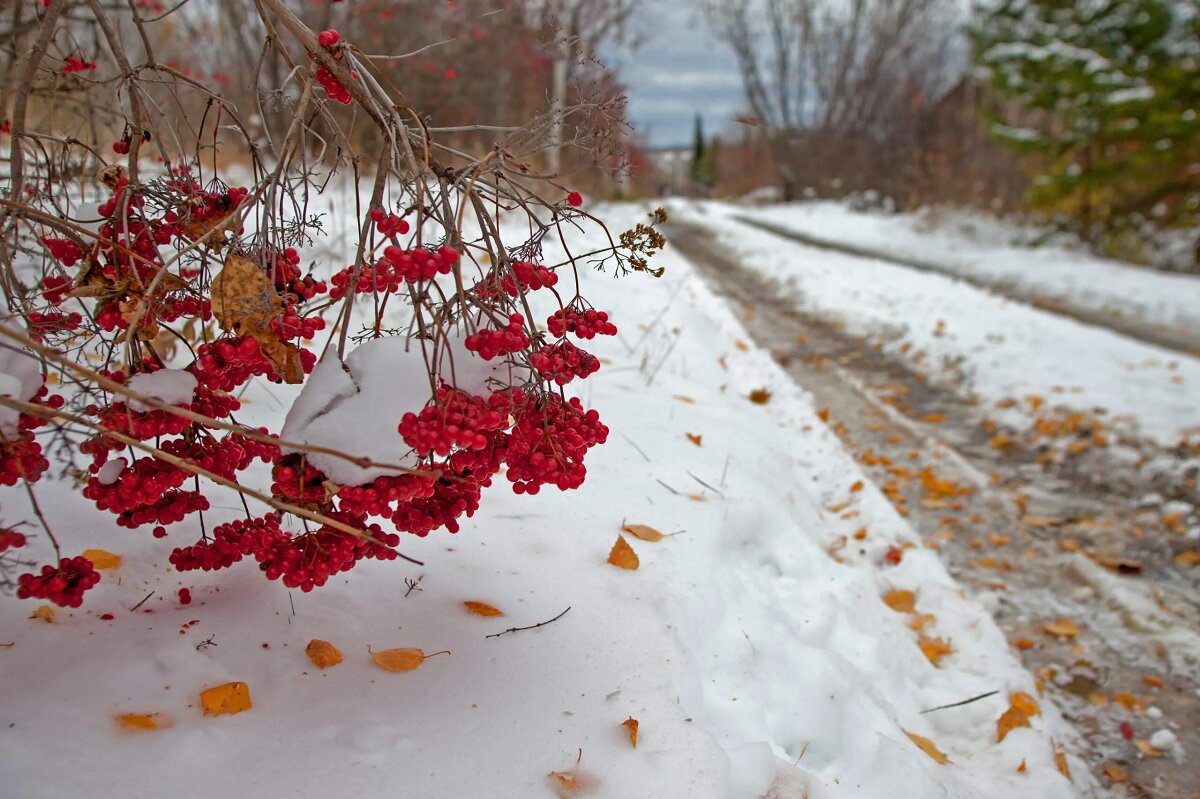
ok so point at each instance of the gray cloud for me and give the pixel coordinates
(677, 71)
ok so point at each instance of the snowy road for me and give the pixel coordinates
(1037, 539)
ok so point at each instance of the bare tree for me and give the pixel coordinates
(821, 75)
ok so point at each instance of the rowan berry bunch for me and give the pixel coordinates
(186, 289)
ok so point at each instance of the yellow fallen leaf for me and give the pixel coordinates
(1025, 703)
(232, 697)
(402, 659)
(622, 555)
(900, 601)
(1021, 769)
(1060, 760)
(1147, 749)
(1063, 628)
(102, 560)
(643, 532)
(927, 746)
(858, 486)
(632, 725)
(1115, 773)
(1009, 721)
(482, 608)
(934, 648)
(1189, 558)
(323, 654)
(695, 439)
(45, 613)
(143, 722)
(760, 396)
(569, 783)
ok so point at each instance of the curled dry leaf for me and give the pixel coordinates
(102, 560)
(232, 697)
(143, 722)
(1115, 773)
(1060, 760)
(622, 555)
(631, 724)
(245, 301)
(1009, 721)
(569, 783)
(482, 608)
(402, 659)
(928, 747)
(44, 613)
(642, 531)
(323, 654)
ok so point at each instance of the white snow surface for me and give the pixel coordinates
(172, 386)
(20, 378)
(990, 250)
(756, 662)
(355, 406)
(1005, 349)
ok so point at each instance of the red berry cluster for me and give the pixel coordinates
(526, 276)
(501, 341)
(395, 268)
(454, 419)
(389, 225)
(63, 585)
(307, 561)
(548, 442)
(10, 539)
(329, 39)
(586, 325)
(563, 362)
(230, 543)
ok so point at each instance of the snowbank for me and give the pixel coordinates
(752, 644)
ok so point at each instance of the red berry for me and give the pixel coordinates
(328, 38)
(575, 199)
(185, 596)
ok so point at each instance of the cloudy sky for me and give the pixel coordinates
(677, 70)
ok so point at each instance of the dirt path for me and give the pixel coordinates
(1040, 531)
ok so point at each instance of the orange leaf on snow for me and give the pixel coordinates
(1025, 703)
(1189, 558)
(695, 439)
(823, 414)
(323, 654)
(643, 532)
(1021, 769)
(569, 783)
(1060, 760)
(1009, 721)
(102, 560)
(900, 601)
(44, 613)
(1115, 773)
(402, 659)
(928, 747)
(856, 487)
(143, 722)
(622, 555)
(760, 396)
(632, 725)
(482, 608)
(1063, 628)
(934, 648)
(232, 697)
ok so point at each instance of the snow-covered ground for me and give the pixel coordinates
(752, 645)
(995, 252)
(1003, 350)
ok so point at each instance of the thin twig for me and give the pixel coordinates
(138, 605)
(960, 704)
(530, 627)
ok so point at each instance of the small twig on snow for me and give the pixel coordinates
(530, 627)
(960, 704)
